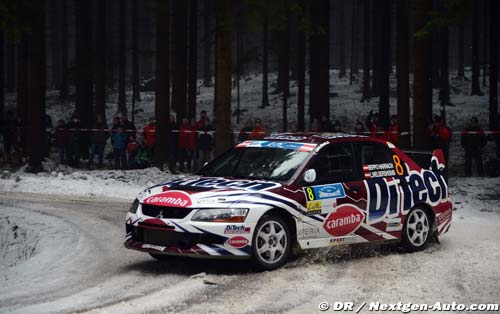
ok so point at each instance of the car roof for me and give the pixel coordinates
(319, 138)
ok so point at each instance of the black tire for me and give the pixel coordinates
(417, 230)
(161, 257)
(270, 249)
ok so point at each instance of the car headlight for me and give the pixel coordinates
(221, 215)
(134, 206)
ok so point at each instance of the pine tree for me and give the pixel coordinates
(64, 88)
(2, 74)
(162, 104)
(222, 103)
(179, 58)
(403, 64)
(193, 56)
(341, 15)
(207, 43)
(100, 59)
(136, 93)
(475, 88)
(385, 62)
(122, 59)
(301, 73)
(366, 51)
(493, 97)
(265, 54)
(422, 76)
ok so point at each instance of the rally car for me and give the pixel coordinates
(263, 197)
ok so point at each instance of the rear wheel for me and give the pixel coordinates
(271, 243)
(417, 230)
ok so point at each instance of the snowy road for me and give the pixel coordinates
(79, 265)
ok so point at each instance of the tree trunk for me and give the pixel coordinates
(122, 60)
(22, 92)
(10, 83)
(100, 60)
(136, 94)
(366, 51)
(422, 77)
(84, 76)
(301, 74)
(319, 64)
(265, 64)
(286, 65)
(461, 44)
(354, 42)
(342, 28)
(493, 65)
(403, 68)
(222, 103)
(444, 86)
(385, 62)
(207, 43)
(111, 43)
(36, 87)
(193, 57)
(475, 88)
(485, 40)
(162, 104)
(375, 20)
(2, 75)
(64, 87)
(179, 58)
(55, 44)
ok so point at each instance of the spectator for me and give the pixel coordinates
(116, 124)
(315, 127)
(359, 128)
(131, 151)
(98, 137)
(173, 142)
(244, 134)
(127, 125)
(440, 136)
(119, 139)
(473, 141)
(203, 118)
(74, 139)
(61, 140)
(149, 133)
(393, 132)
(337, 126)
(258, 131)
(325, 124)
(372, 123)
(187, 140)
(205, 144)
(142, 156)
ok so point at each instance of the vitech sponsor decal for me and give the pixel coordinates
(234, 229)
(237, 242)
(170, 198)
(345, 220)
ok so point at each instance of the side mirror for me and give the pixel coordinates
(310, 176)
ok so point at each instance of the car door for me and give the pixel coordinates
(383, 173)
(338, 193)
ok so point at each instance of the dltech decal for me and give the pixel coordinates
(388, 197)
(236, 229)
(321, 196)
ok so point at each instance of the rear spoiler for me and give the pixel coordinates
(421, 157)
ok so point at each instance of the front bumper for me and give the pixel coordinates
(165, 240)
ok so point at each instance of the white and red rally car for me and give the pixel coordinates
(262, 197)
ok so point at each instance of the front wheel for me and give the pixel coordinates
(417, 230)
(271, 242)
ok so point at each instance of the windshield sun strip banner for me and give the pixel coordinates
(303, 147)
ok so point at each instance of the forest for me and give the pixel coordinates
(87, 51)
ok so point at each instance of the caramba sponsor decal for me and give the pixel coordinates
(170, 198)
(387, 197)
(234, 229)
(220, 183)
(237, 242)
(345, 220)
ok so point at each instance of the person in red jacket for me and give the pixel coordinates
(391, 135)
(149, 133)
(203, 118)
(258, 131)
(440, 136)
(187, 143)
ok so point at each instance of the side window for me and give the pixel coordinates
(378, 161)
(335, 163)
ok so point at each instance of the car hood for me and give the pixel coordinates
(206, 192)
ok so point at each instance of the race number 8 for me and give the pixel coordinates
(397, 165)
(310, 194)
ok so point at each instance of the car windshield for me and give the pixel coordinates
(264, 163)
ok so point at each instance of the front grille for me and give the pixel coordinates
(165, 237)
(165, 212)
